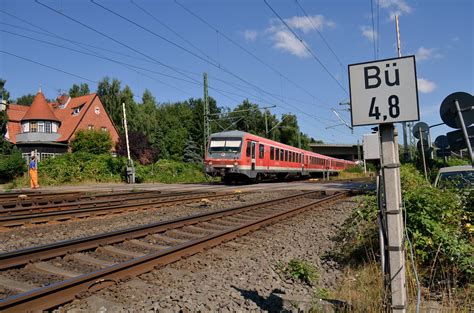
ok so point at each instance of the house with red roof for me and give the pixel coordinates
(48, 128)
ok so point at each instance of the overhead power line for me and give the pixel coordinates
(114, 40)
(211, 62)
(374, 35)
(238, 45)
(320, 33)
(305, 46)
(48, 66)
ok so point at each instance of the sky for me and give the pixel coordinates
(290, 55)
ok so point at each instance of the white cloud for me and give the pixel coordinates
(395, 7)
(307, 24)
(284, 40)
(368, 33)
(425, 86)
(250, 35)
(426, 54)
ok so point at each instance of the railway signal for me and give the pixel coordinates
(457, 111)
(386, 92)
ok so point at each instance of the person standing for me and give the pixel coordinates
(33, 170)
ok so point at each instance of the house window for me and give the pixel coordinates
(47, 127)
(40, 127)
(90, 127)
(104, 129)
(45, 156)
(33, 127)
(97, 110)
(77, 110)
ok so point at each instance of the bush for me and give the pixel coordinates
(168, 171)
(92, 141)
(438, 222)
(11, 165)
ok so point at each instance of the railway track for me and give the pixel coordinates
(17, 215)
(47, 276)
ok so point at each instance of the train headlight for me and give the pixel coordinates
(210, 163)
(236, 163)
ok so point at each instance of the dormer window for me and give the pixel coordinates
(77, 110)
(47, 127)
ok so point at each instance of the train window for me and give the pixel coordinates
(282, 155)
(261, 151)
(286, 155)
(225, 144)
(272, 151)
(277, 154)
(247, 152)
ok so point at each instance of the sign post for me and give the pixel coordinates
(385, 92)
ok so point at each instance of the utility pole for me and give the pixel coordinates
(206, 115)
(406, 155)
(130, 167)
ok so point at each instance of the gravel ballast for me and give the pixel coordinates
(28, 236)
(240, 275)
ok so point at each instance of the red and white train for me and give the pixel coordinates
(239, 156)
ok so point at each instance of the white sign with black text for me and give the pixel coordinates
(384, 91)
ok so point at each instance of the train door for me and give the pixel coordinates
(302, 164)
(252, 153)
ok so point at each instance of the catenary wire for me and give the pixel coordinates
(305, 46)
(123, 44)
(374, 35)
(238, 45)
(213, 63)
(114, 40)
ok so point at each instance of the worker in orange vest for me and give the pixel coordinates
(33, 170)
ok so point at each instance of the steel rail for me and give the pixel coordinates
(62, 292)
(30, 203)
(92, 203)
(43, 252)
(104, 209)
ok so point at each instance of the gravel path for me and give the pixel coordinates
(234, 277)
(27, 236)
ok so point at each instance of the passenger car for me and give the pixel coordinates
(456, 176)
(240, 156)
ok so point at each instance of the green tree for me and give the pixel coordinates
(92, 141)
(25, 99)
(191, 152)
(109, 93)
(5, 93)
(77, 91)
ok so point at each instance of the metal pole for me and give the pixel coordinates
(130, 167)
(206, 115)
(464, 130)
(126, 129)
(406, 155)
(394, 218)
(423, 153)
(266, 122)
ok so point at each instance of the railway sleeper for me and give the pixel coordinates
(86, 259)
(15, 285)
(118, 251)
(48, 268)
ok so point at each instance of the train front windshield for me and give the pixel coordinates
(225, 145)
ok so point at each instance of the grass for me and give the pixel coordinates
(362, 287)
(299, 270)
